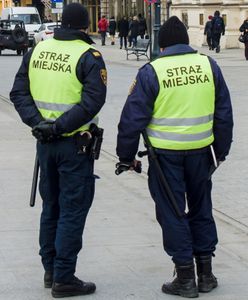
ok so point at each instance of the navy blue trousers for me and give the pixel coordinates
(187, 175)
(67, 187)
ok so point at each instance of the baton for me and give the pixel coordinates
(164, 184)
(34, 181)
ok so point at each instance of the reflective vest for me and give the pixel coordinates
(54, 85)
(183, 110)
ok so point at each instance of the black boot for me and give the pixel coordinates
(76, 287)
(206, 279)
(184, 284)
(48, 279)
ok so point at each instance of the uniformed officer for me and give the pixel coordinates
(183, 103)
(58, 91)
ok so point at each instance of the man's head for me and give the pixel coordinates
(217, 13)
(75, 16)
(210, 17)
(172, 32)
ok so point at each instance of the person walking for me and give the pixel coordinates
(60, 116)
(183, 104)
(112, 29)
(208, 32)
(134, 31)
(142, 26)
(218, 28)
(244, 29)
(103, 27)
(123, 28)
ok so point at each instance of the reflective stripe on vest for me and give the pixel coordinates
(54, 85)
(183, 111)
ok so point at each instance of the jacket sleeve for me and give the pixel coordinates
(92, 73)
(136, 113)
(21, 97)
(223, 117)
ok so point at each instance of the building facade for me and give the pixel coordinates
(194, 13)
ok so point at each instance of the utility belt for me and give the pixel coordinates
(89, 142)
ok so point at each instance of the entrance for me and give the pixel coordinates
(93, 7)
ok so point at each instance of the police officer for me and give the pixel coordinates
(183, 103)
(58, 91)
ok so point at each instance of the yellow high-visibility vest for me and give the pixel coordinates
(183, 111)
(54, 85)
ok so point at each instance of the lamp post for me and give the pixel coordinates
(156, 26)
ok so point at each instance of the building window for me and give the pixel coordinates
(224, 19)
(201, 21)
(185, 19)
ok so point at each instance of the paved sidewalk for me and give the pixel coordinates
(122, 243)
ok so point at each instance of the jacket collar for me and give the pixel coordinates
(177, 50)
(66, 34)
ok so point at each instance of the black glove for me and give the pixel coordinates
(125, 166)
(45, 132)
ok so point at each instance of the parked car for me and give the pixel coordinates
(29, 15)
(45, 32)
(13, 36)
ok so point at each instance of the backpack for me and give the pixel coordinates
(218, 25)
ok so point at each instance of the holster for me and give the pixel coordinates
(89, 142)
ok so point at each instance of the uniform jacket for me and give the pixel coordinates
(138, 109)
(88, 71)
(244, 28)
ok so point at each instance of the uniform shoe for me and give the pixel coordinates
(206, 279)
(75, 287)
(184, 284)
(217, 50)
(48, 279)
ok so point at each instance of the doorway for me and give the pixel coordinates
(93, 7)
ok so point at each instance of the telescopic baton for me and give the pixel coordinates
(164, 184)
(34, 182)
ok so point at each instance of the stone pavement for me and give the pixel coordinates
(122, 242)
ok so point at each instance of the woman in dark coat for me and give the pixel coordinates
(112, 29)
(123, 28)
(244, 28)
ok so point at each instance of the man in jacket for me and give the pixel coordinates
(182, 102)
(208, 32)
(55, 93)
(103, 27)
(218, 28)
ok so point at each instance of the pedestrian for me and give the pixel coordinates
(218, 28)
(244, 28)
(123, 28)
(60, 114)
(103, 27)
(112, 29)
(208, 32)
(182, 102)
(142, 26)
(134, 31)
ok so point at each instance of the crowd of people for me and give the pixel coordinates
(128, 30)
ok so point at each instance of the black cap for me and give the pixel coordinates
(75, 16)
(172, 32)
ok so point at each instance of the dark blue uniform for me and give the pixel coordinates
(186, 171)
(66, 178)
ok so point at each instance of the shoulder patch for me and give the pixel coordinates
(132, 87)
(95, 53)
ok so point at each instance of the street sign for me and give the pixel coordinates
(150, 1)
(57, 6)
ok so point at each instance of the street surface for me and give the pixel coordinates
(122, 250)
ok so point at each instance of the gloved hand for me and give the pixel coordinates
(44, 132)
(122, 166)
